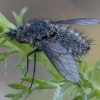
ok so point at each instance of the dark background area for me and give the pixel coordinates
(54, 9)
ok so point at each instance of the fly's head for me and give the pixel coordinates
(21, 34)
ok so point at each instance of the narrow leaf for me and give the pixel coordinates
(17, 86)
(10, 95)
(5, 64)
(84, 93)
(58, 95)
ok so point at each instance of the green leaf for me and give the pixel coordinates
(27, 79)
(42, 83)
(26, 94)
(3, 40)
(10, 95)
(86, 66)
(74, 92)
(80, 66)
(19, 18)
(97, 64)
(65, 86)
(78, 97)
(97, 98)
(58, 95)
(5, 64)
(19, 95)
(4, 24)
(17, 86)
(84, 93)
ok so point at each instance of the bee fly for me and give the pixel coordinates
(59, 43)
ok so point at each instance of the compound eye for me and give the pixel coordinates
(18, 37)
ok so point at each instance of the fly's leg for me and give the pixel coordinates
(33, 69)
(27, 60)
(27, 68)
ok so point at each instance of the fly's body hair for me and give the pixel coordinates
(77, 43)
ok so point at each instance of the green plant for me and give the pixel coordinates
(87, 89)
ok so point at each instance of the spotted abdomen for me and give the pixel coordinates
(72, 40)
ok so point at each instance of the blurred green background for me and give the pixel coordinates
(54, 9)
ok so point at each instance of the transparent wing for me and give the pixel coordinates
(62, 61)
(78, 21)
